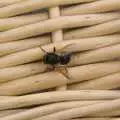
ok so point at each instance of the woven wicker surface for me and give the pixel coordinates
(85, 89)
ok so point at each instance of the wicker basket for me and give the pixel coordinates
(87, 88)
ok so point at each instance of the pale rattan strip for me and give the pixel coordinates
(57, 35)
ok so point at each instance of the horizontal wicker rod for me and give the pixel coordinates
(16, 46)
(106, 28)
(5, 97)
(59, 96)
(31, 5)
(109, 113)
(37, 53)
(83, 111)
(14, 22)
(93, 7)
(48, 109)
(21, 71)
(5, 113)
(111, 25)
(78, 59)
(4, 3)
(85, 72)
(98, 118)
(17, 21)
(45, 110)
(98, 55)
(56, 107)
(41, 82)
(99, 115)
(50, 26)
(105, 83)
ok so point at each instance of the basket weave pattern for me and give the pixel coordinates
(90, 30)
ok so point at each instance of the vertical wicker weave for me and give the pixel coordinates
(90, 30)
(57, 35)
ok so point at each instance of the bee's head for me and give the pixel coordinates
(65, 58)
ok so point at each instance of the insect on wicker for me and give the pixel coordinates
(53, 59)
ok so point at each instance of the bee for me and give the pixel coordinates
(53, 59)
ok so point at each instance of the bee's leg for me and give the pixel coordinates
(66, 72)
(63, 70)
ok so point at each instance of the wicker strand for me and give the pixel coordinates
(64, 22)
(83, 111)
(31, 5)
(104, 83)
(34, 54)
(59, 96)
(5, 113)
(104, 118)
(106, 28)
(41, 82)
(48, 109)
(16, 46)
(98, 6)
(99, 55)
(17, 21)
(4, 3)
